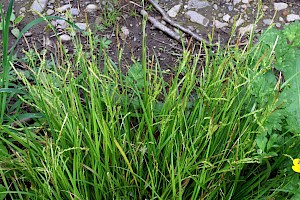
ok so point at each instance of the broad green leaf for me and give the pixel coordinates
(15, 32)
(12, 17)
(18, 19)
(261, 141)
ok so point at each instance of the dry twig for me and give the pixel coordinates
(174, 24)
(160, 26)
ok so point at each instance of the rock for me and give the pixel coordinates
(215, 6)
(292, 17)
(265, 8)
(22, 10)
(65, 38)
(61, 22)
(280, 19)
(174, 10)
(239, 22)
(49, 12)
(245, 1)
(91, 8)
(28, 34)
(38, 6)
(82, 26)
(74, 11)
(219, 24)
(125, 30)
(64, 8)
(236, 1)
(278, 25)
(267, 21)
(226, 18)
(280, 6)
(197, 4)
(246, 29)
(197, 18)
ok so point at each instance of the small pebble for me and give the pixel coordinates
(65, 38)
(91, 8)
(49, 12)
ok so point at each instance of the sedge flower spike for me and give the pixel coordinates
(296, 166)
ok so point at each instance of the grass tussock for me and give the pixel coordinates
(103, 134)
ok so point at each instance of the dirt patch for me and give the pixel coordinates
(124, 15)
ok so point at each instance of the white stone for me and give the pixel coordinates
(239, 22)
(197, 18)
(278, 25)
(22, 10)
(265, 8)
(280, 6)
(219, 24)
(91, 8)
(280, 19)
(246, 29)
(49, 12)
(268, 21)
(215, 6)
(226, 18)
(197, 4)
(292, 17)
(125, 30)
(245, 1)
(174, 10)
(38, 6)
(65, 38)
(28, 34)
(82, 26)
(236, 1)
(64, 8)
(74, 11)
(61, 23)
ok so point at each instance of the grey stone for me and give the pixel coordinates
(82, 26)
(22, 10)
(174, 10)
(38, 6)
(61, 23)
(197, 18)
(74, 11)
(236, 1)
(219, 24)
(267, 21)
(280, 6)
(125, 30)
(197, 4)
(65, 38)
(239, 22)
(64, 8)
(226, 18)
(28, 34)
(49, 12)
(278, 25)
(292, 17)
(91, 8)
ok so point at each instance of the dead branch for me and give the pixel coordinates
(160, 26)
(174, 24)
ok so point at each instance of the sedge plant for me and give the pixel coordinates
(104, 134)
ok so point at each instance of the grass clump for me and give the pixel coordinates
(103, 134)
